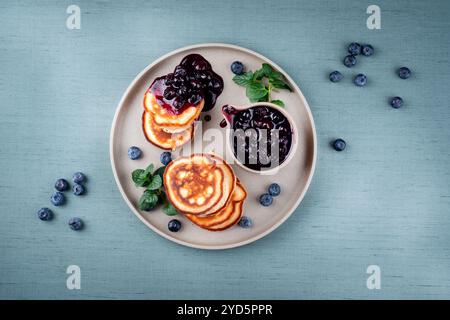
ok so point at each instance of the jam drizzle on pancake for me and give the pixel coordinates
(192, 81)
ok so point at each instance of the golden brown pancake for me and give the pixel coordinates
(225, 217)
(228, 185)
(235, 217)
(171, 122)
(161, 138)
(199, 184)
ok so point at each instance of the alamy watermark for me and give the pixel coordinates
(374, 279)
(374, 20)
(73, 21)
(74, 279)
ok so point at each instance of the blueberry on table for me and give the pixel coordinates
(339, 144)
(367, 50)
(76, 224)
(360, 80)
(245, 222)
(57, 198)
(274, 189)
(78, 189)
(349, 61)
(354, 48)
(174, 225)
(266, 199)
(134, 153)
(61, 185)
(45, 214)
(237, 67)
(78, 177)
(336, 76)
(165, 158)
(396, 102)
(404, 72)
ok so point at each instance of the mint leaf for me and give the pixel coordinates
(139, 177)
(256, 91)
(259, 74)
(148, 201)
(169, 209)
(136, 174)
(264, 99)
(244, 79)
(256, 83)
(155, 183)
(276, 75)
(149, 169)
(279, 84)
(278, 103)
(265, 71)
(160, 172)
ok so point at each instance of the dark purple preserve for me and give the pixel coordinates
(192, 80)
(260, 125)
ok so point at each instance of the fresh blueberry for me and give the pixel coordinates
(45, 214)
(78, 177)
(349, 61)
(174, 225)
(58, 198)
(134, 153)
(237, 67)
(404, 72)
(367, 50)
(336, 76)
(78, 189)
(274, 189)
(76, 224)
(165, 158)
(354, 48)
(245, 222)
(61, 185)
(360, 80)
(339, 144)
(396, 102)
(266, 199)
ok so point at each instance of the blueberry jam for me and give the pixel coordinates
(256, 146)
(192, 80)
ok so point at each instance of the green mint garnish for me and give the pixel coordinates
(154, 193)
(260, 84)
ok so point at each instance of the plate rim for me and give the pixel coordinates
(113, 132)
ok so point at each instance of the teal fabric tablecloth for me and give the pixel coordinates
(384, 201)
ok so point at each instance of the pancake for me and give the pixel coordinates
(235, 217)
(161, 138)
(168, 121)
(225, 217)
(227, 187)
(200, 184)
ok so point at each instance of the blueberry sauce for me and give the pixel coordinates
(192, 80)
(265, 122)
(223, 123)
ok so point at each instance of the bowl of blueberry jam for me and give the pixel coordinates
(262, 137)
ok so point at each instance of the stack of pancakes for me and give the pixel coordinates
(205, 189)
(165, 129)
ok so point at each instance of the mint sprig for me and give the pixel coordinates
(153, 195)
(260, 84)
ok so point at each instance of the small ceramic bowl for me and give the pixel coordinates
(294, 141)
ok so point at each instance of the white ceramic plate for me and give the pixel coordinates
(294, 178)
